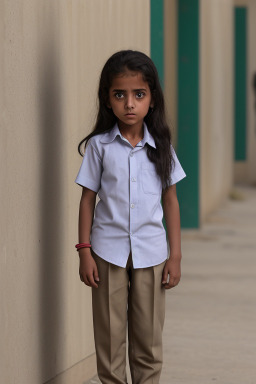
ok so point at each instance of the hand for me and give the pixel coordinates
(173, 269)
(88, 270)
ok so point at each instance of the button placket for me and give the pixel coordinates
(133, 192)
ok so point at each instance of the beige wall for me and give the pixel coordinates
(216, 103)
(251, 109)
(51, 55)
(216, 96)
(170, 63)
(245, 171)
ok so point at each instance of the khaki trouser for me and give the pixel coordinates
(138, 293)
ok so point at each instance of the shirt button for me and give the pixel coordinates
(132, 205)
(131, 154)
(133, 178)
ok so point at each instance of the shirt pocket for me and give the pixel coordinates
(151, 183)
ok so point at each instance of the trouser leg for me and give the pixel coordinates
(146, 311)
(109, 319)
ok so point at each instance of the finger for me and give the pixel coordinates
(92, 281)
(165, 276)
(83, 278)
(86, 281)
(172, 283)
(96, 274)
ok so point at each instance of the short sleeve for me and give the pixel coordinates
(177, 170)
(89, 175)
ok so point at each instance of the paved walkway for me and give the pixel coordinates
(210, 327)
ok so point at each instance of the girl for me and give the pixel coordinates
(130, 163)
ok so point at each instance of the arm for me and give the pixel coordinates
(88, 269)
(172, 218)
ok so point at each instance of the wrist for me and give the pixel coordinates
(84, 252)
(175, 256)
(82, 245)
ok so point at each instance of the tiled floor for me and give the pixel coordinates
(95, 380)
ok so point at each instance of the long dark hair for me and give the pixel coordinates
(136, 61)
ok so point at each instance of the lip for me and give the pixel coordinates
(130, 114)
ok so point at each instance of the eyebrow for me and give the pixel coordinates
(134, 90)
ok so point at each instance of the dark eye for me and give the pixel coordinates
(140, 95)
(119, 95)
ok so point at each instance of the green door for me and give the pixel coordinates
(240, 16)
(188, 110)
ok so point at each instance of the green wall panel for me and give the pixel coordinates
(188, 110)
(240, 16)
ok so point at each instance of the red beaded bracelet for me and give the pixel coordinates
(82, 245)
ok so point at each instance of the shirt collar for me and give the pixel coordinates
(110, 136)
(148, 138)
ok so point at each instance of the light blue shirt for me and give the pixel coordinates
(128, 216)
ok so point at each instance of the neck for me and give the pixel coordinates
(135, 132)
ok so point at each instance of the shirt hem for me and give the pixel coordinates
(123, 265)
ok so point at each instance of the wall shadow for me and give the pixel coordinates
(51, 223)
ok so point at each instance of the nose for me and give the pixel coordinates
(130, 102)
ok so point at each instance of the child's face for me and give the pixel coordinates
(130, 99)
